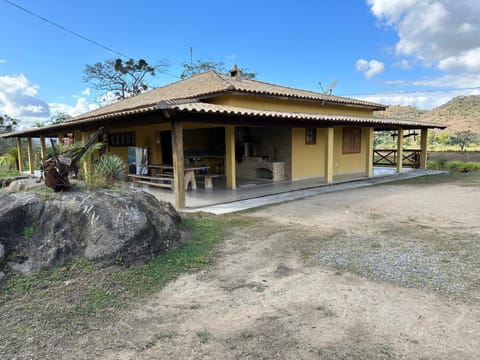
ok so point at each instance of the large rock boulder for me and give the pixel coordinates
(38, 231)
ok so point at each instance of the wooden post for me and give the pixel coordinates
(43, 148)
(230, 157)
(30, 155)
(178, 164)
(369, 149)
(400, 151)
(87, 163)
(423, 147)
(329, 155)
(20, 154)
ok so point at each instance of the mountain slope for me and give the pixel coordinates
(460, 114)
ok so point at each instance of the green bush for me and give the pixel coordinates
(463, 167)
(112, 168)
(440, 164)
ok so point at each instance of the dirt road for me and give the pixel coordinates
(273, 294)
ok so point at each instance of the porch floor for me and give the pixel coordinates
(254, 193)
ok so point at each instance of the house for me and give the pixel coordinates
(240, 129)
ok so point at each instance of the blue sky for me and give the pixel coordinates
(409, 52)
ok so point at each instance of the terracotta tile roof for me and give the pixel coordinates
(187, 95)
(210, 84)
(199, 107)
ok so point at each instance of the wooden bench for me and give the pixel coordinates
(209, 179)
(159, 181)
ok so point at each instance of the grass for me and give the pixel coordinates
(29, 231)
(5, 173)
(55, 302)
(454, 165)
(471, 179)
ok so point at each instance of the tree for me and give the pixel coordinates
(54, 120)
(200, 66)
(464, 139)
(7, 124)
(123, 79)
(7, 146)
(59, 118)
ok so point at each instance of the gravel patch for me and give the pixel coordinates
(431, 261)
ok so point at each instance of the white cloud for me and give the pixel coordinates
(107, 99)
(19, 98)
(82, 106)
(421, 100)
(3, 61)
(86, 92)
(468, 60)
(370, 68)
(433, 31)
(402, 64)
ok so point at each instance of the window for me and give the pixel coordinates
(352, 140)
(121, 139)
(310, 136)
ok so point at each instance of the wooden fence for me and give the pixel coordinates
(389, 157)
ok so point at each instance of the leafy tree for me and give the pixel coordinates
(59, 118)
(200, 66)
(8, 154)
(122, 78)
(443, 138)
(7, 124)
(464, 139)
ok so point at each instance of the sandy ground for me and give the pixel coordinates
(262, 300)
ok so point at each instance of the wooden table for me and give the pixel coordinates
(189, 177)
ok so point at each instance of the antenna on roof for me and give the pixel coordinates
(191, 56)
(329, 89)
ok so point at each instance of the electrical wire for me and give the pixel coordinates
(413, 91)
(61, 27)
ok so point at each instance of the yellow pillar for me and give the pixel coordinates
(423, 148)
(30, 155)
(87, 162)
(43, 148)
(20, 154)
(329, 155)
(369, 149)
(400, 151)
(178, 164)
(230, 157)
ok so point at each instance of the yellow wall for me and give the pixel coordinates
(308, 160)
(258, 103)
(350, 163)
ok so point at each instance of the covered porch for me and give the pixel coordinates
(221, 195)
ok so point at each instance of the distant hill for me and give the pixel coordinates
(402, 112)
(460, 114)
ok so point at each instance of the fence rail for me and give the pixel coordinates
(411, 157)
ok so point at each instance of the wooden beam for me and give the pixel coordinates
(423, 148)
(178, 164)
(30, 155)
(230, 157)
(329, 155)
(369, 149)
(20, 154)
(400, 151)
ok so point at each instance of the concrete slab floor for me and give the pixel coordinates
(251, 194)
